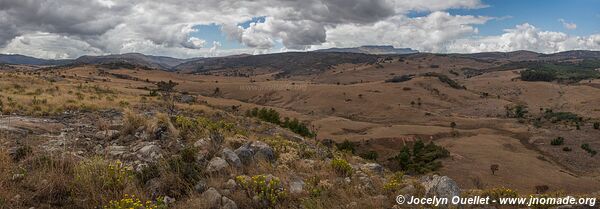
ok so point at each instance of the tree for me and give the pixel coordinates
(494, 168)
(453, 125)
(166, 88)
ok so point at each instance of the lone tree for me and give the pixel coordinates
(166, 88)
(494, 168)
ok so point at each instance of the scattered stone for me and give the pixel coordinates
(217, 164)
(228, 203)
(200, 187)
(149, 152)
(230, 184)
(168, 200)
(202, 143)
(107, 135)
(262, 151)
(372, 167)
(231, 158)
(116, 150)
(440, 186)
(188, 99)
(212, 198)
(296, 187)
(245, 154)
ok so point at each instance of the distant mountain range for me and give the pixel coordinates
(296, 62)
(17, 59)
(378, 50)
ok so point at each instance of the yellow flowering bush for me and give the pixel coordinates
(395, 182)
(341, 167)
(497, 193)
(97, 180)
(132, 202)
(268, 190)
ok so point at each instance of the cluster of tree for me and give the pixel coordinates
(400, 78)
(518, 111)
(589, 149)
(272, 116)
(445, 79)
(560, 71)
(419, 159)
(562, 116)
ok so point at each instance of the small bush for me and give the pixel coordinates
(596, 125)
(567, 149)
(370, 155)
(395, 183)
(497, 193)
(346, 146)
(268, 189)
(132, 202)
(341, 167)
(557, 141)
(99, 181)
(589, 149)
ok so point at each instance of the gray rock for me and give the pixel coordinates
(262, 151)
(440, 186)
(372, 167)
(202, 143)
(187, 99)
(245, 154)
(116, 150)
(296, 187)
(230, 184)
(168, 200)
(228, 203)
(212, 198)
(217, 164)
(149, 152)
(108, 134)
(231, 157)
(200, 187)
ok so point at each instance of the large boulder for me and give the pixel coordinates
(212, 198)
(217, 164)
(372, 167)
(262, 151)
(245, 154)
(440, 186)
(231, 157)
(228, 203)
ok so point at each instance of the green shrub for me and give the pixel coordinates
(269, 191)
(346, 146)
(566, 149)
(421, 159)
(596, 125)
(370, 155)
(557, 141)
(132, 202)
(589, 149)
(341, 167)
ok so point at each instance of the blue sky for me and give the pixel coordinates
(186, 29)
(544, 15)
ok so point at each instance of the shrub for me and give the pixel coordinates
(395, 182)
(346, 146)
(557, 141)
(566, 149)
(132, 202)
(421, 159)
(596, 125)
(132, 121)
(99, 181)
(268, 189)
(370, 155)
(589, 149)
(399, 79)
(497, 193)
(341, 167)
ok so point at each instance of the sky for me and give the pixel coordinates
(204, 28)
